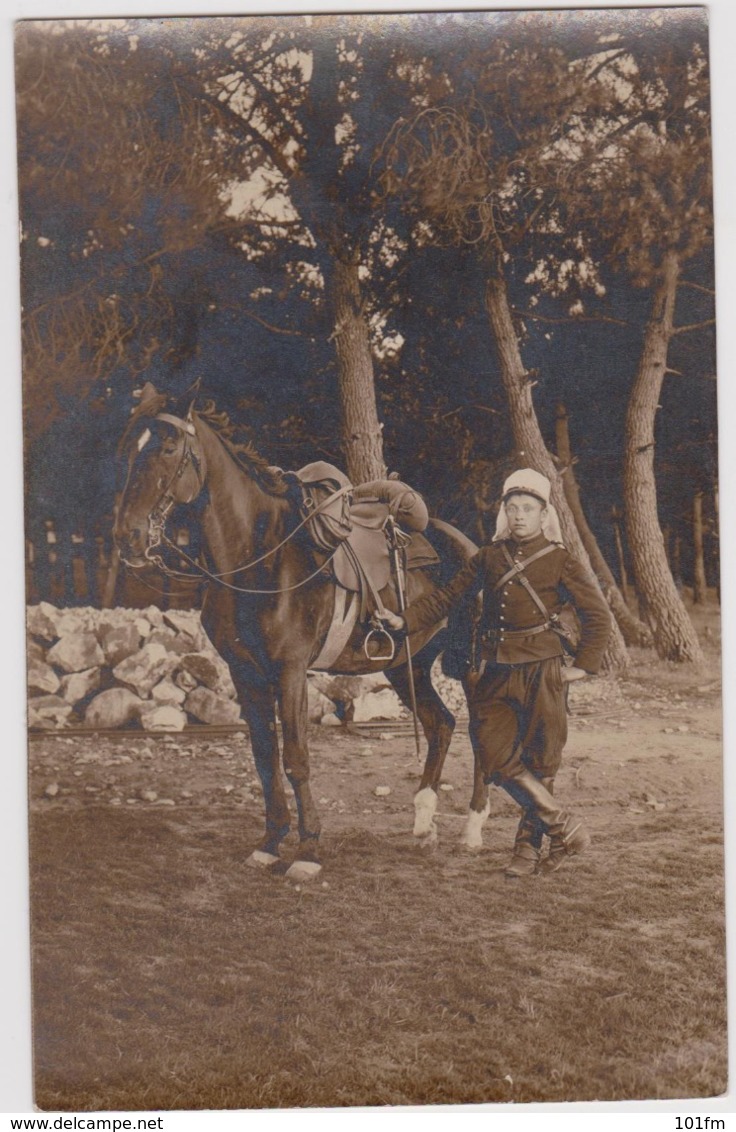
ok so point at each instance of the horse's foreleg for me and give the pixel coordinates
(257, 703)
(438, 724)
(294, 718)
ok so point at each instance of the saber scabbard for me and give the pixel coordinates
(401, 595)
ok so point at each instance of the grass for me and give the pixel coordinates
(169, 976)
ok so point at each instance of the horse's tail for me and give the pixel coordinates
(454, 549)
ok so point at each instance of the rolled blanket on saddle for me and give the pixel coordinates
(373, 502)
(332, 507)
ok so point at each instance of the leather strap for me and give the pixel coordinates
(519, 567)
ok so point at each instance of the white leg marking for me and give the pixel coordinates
(260, 860)
(472, 835)
(303, 871)
(425, 805)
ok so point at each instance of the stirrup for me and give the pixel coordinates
(379, 657)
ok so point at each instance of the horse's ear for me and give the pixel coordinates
(192, 393)
(147, 393)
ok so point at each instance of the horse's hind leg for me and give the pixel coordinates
(438, 724)
(480, 804)
(294, 720)
(257, 702)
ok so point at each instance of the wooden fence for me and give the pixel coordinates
(83, 568)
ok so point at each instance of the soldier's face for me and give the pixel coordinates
(525, 515)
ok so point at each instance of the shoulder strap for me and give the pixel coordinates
(519, 567)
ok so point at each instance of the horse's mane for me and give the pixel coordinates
(270, 478)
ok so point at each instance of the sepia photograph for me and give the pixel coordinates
(371, 559)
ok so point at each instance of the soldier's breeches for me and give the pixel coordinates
(518, 716)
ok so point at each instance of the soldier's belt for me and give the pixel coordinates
(493, 637)
(532, 632)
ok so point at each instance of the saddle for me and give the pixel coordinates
(351, 524)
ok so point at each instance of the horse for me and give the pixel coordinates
(269, 602)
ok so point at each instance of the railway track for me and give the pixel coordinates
(396, 727)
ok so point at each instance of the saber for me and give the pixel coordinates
(394, 547)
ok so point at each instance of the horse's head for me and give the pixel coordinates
(164, 466)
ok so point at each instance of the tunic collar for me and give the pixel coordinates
(531, 546)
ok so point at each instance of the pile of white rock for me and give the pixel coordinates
(117, 667)
(157, 670)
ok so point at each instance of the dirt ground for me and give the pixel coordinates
(169, 975)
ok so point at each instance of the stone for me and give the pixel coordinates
(41, 621)
(142, 671)
(52, 790)
(79, 685)
(177, 643)
(186, 622)
(48, 712)
(345, 689)
(42, 678)
(202, 668)
(35, 651)
(76, 653)
(73, 621)
(330, 720)
(162, 717)
(382, 791)
(155, 616)
(149, 795)
(118, 641)
(143, 625)
(167, 692)
(383, 704)
(318, 704)
(185, 680)
(206, 706)
(113, 708)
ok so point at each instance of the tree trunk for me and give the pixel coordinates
(674, 635)
(528, 438)
(362, 437)
(634, 632)
(677, 561)
(621, 557)
(700, 586)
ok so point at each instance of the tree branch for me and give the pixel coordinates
(697, 287)
(570, 318)
(693, 326)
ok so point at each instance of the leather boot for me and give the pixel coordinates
(568, 836)
(527, 846)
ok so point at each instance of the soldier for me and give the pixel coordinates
(518, 706)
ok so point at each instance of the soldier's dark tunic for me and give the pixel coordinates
(518, 706)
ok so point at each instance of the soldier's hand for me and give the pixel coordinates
(572, 673)
(393, 620)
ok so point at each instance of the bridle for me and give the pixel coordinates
(161, 509)
(157, 516)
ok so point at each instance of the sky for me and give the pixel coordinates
(15, 1069)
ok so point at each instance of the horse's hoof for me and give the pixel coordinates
(302, 871)
(259, 859)
(430, 839)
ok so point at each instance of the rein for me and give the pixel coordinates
(159, 513)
